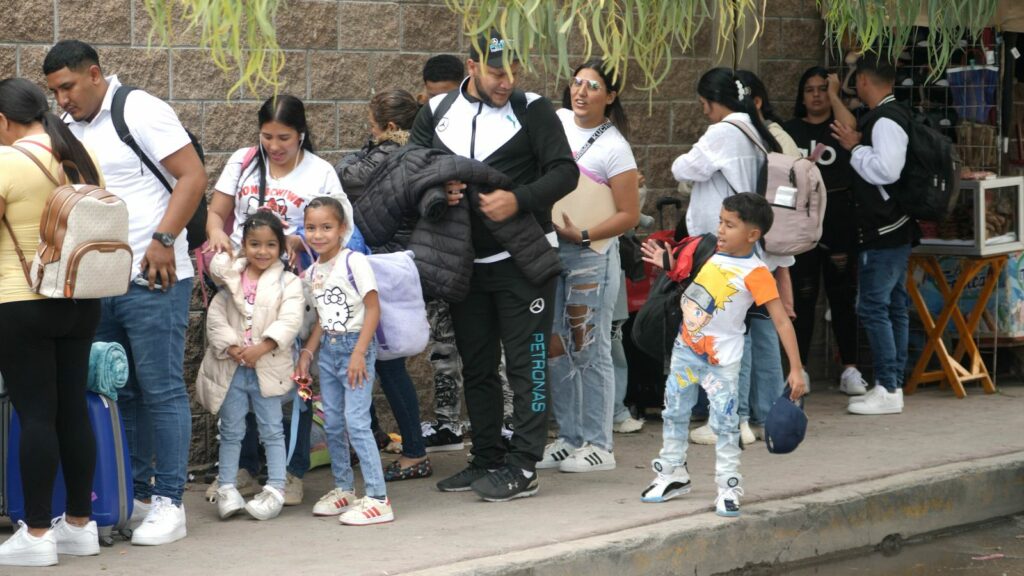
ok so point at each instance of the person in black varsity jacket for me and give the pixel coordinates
(885, 233)
(517, 133)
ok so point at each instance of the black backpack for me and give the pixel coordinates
(196, 226)
(930, 182)
(656, 324)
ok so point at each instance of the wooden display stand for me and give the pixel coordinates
(954, 370)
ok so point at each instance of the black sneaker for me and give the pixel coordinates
(506, 483)
(463, 480)
(441, 437)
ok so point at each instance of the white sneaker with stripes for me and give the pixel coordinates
(368, 511)
(588, 458)
(554, 453)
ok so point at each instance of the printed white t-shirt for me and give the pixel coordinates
(609, 155)
(286, 197)
(155, 126)
(715, 305)
(339, 304)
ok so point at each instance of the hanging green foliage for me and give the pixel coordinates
(239, 35)
(625, 33)
(888, 24)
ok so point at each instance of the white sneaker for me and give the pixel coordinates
(727, 503)
(164, 524)
(244, 483)
(877, 389)
(588, 458)
(881, 402)
(703, 435)
(852, 382)
(368, 511)
(229, 501)
(554, 453)
(75, 540)
(671, 481)
(139, 512)
(334, 503)
(628, 426)
(747, 435)
(267, 504)
(24, 549)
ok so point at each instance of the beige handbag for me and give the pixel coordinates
(83, 242)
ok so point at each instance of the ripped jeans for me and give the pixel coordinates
(720, 382)
(583, 378)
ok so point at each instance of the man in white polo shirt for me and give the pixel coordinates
(151, 319)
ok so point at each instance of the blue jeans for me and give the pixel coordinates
(154, 406)
(401, 395)
(245, 388)
(347, 414)
(299, 464)
(761, 382)
(882, 309)
(583, 379)
(719, 382)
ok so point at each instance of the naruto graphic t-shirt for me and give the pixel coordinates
(339, 303)
(716, 303)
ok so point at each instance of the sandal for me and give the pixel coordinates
(394, 472)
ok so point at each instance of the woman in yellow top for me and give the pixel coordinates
(44, 343)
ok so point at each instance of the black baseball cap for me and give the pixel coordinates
(493, 47)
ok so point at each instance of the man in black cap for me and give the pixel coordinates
(518, 134)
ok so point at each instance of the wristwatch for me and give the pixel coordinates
(584, 238)
(164, 238)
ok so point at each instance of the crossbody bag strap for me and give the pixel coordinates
(593, 138)
(39, 163)
(17, 250)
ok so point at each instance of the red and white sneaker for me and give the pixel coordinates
(334, 502)
(368, 511)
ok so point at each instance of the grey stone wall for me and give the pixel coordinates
(338, 52)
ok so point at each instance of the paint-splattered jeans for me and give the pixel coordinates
(583, 379)
(720, 382)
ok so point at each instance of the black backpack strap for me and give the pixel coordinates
(445, 104)
(125, 135)
(518, 101)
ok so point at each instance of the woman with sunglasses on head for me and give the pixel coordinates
(834, 260)
(281, 174)
(582, 375)
(44, 343)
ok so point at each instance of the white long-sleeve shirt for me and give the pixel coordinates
(882, 162)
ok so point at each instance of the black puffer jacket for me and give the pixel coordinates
(411, 181)
(354, 171)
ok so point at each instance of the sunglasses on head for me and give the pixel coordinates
(591, 84)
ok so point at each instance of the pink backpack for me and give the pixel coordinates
(795, 189)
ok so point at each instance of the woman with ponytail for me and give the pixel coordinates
(280, 174)
(44, 343)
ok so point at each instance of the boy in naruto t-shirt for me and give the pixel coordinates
(709, 348)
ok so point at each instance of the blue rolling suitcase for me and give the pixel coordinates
(112, 487)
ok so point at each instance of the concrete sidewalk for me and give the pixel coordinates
(855, 480)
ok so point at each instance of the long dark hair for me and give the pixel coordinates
(265, 218)
(22, 102)
(614, 111)
(290, 111)
(757, 90)
(720, 85)
(800, 109)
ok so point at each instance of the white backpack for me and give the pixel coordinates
(83, 242)
(795, 189)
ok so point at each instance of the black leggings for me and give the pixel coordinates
(840, 275)
(44, 358)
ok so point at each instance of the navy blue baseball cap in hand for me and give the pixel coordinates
(786, 425)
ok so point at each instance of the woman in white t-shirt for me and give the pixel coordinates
(281, 174)
(582, 375)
